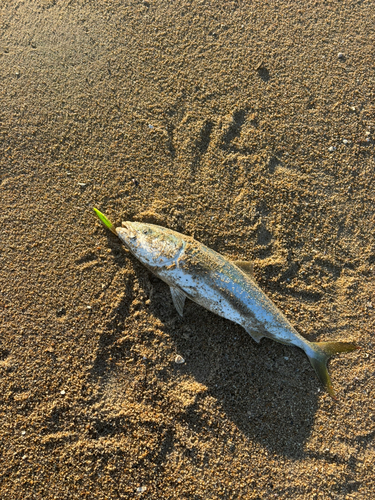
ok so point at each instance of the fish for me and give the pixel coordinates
(225, 287)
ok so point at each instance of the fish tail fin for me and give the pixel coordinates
(322, 352)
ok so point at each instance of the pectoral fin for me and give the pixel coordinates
(178, 298)
(245, 266)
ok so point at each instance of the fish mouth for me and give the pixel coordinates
(129, 231)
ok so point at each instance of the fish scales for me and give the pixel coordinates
(217, 284)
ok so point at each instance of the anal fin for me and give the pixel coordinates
(254, 333)
(178, 298)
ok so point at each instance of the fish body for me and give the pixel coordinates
(204, 276)
(194, 271)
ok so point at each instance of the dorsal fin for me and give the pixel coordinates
(245, 266)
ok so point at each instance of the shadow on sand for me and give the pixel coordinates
(269, 391)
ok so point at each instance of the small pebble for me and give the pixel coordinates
(61, 311)
(150, 126)
(345, 141)
(82, 184)
(23, 433)
(62, 392)
(141, 489)
(331, 148)
(179, 360)
(340, 55)
(89, 308)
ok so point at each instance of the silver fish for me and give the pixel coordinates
(224, 287)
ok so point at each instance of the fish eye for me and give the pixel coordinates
(145, 231)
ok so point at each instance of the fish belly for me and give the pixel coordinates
(204, 292)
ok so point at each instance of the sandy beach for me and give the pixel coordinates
(247, 125)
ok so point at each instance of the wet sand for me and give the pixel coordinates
(249, 126)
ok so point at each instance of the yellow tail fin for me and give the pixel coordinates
(322, 352)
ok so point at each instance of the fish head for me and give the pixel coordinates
(154, 246)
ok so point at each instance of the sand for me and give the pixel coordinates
(248, 125)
